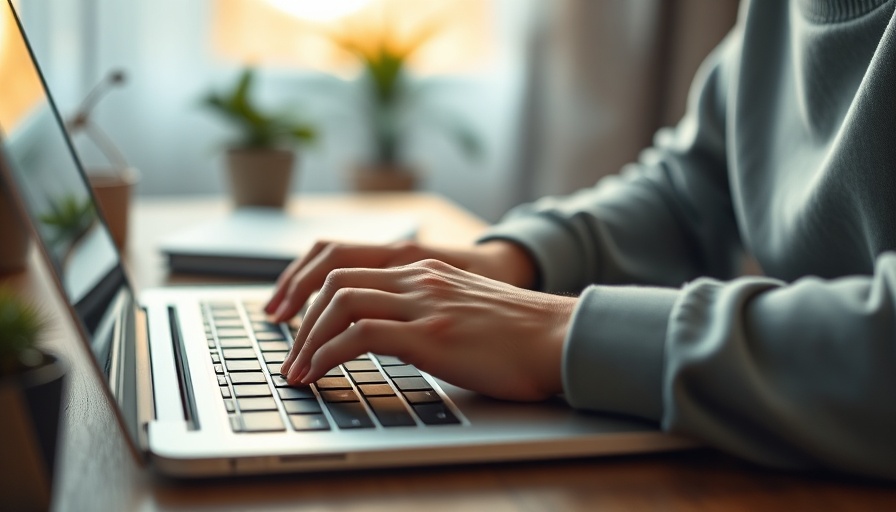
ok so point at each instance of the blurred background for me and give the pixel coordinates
(503, 100)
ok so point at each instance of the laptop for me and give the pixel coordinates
(193, 372)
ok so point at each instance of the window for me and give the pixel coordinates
(298, 33)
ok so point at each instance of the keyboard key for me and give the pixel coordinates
(262, 422)
(411, 383)
(333, 383)
(435, 414)
(376, 390)
(309, 406)
(391, 412)
(273, 346)
(360, 366)
(295, 393)
(235, 424)
(229, 405)
(270, 336)
(222, 380)
(225, 314)
(216, 358)
(219, 369)
(243, 365)
(339, 395)
(264, 326)
(239, 353)
(225, 392)
(350, 415)
(248, 378)
(368, 377)
(334, 372)
(309, 422)
(266, 403)
(389, 360)
(229, 323)
(274, 368)
(423, 397)
(274, 357)
(236, 343)
(401, 371)
(211, 344)
(250, 390)
(279, 381)
(231, 332)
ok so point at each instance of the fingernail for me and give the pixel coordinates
(304, 374)
(268, 307)
(284, 368)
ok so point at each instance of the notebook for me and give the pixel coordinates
(261, 242)
(193, 371)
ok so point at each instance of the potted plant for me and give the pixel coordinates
(395, 103)
(113, 182)
(31, 383)
(260, 162)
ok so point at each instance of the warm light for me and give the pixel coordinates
(291, 33)
(319, 10)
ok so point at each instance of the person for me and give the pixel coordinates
(627, 297)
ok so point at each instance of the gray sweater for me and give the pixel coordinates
(787, 153)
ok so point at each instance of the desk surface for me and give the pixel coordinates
(98, 473)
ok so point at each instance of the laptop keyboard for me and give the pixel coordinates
(369, 392)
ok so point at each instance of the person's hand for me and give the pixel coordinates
(471, 331)
(500, 260)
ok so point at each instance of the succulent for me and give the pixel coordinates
(20, 327)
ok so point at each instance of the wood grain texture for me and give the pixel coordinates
(98, 473)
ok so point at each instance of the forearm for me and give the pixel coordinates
(797, 376)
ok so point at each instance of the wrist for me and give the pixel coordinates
(509, 262)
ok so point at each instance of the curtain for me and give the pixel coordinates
(603, 76)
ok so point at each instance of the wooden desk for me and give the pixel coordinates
(97, 472)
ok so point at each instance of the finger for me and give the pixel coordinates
(386, 337)
(349, 305)
(312, 275)
(287, 275)
(383, 280)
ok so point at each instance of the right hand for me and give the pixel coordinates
(499, 260)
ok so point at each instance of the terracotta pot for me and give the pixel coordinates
(14, 249)
(384, 178)
(30, 401)
(260, 177)
(113, 191)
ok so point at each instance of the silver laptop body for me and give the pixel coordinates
(188, 412)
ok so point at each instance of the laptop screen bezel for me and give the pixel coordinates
(120, 388)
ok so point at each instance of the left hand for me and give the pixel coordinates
(471, 331)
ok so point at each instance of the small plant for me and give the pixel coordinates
(20, 327)
(393, 98)
(258, 129)
(70, 217)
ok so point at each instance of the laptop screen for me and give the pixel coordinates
(47, 178)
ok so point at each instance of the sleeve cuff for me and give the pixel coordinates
(556, 252)
(614, 351)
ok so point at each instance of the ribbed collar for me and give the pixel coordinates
(833, 11)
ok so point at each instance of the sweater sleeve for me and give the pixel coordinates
(662, 221)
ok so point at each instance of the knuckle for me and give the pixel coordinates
(343, 297)
(434, 264)
(336, 278)
(363, 329)
(437, 327)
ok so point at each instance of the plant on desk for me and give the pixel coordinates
(30, 395)
(260, 161)
(396, 105)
